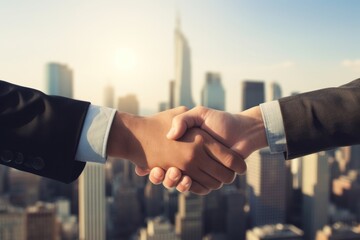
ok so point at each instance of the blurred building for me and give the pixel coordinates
(154, 203)
(339, 231)
(109, 96)
(171, 202)
(275, 232)
(253, 93)
(273, 92)
(12, 222)
(24, 188)
(213, 93)
(315, 189)
(92, 202)
(59, 80)
(182, 93)
(158, 228)
(172, 94)
(347, 190)
(236, 218)
(128, 214)
(41, 222)
(163, 106)
(189, 219)
(129, 104)
(266, 186)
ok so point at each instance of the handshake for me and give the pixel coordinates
(197, 150)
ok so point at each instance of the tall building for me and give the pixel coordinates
(189, 225)
(59, 80)
(253, 93)
(12, 222)
(315, 189)
(109, 96)
(92, 206)
(154, 199)
(172, 94)
(213, 93)
(182, 93)
(273, 92)
(158, 228)
(24, 188)
(129, 104)
(266, 185)
(41, 222)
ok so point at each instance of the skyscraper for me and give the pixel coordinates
(92, 206)
(253, 93)
(274, 91)
(213, 93)
(315, 189)
(266, 183)
(189, 223)
(109, 96)
(41, 222)
(12, 222)
(59, 80)
(182, 93)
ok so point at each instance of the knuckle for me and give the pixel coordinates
(183, 109)
(229, 161)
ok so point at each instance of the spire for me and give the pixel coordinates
(178, 21)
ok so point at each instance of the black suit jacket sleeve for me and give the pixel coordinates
(40, 133)
(322, 119)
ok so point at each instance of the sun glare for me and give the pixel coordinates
(125, 59)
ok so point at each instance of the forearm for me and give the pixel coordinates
(322, 119)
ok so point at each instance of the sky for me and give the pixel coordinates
(303, 45)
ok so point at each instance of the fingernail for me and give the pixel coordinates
(170, 133)
(173, 175)
(186, 184)
(157, 175)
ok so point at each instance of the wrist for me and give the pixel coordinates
(122, 142)
(253, 135)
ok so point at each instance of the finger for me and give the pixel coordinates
(180, 123)
(199, 189)
(141, 172)
(204, 179)
(184, 184)
(157, 175)
(216, 170)
(172, 177)
(224, 155)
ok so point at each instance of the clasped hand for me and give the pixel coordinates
(197, 150)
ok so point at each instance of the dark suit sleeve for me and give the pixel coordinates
(322, 119)
(40, 133)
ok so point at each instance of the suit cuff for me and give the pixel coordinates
(274, 126)
(94, 134)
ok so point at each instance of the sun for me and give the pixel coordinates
(125, 59)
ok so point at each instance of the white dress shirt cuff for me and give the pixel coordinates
(94, 134)
(274, 126)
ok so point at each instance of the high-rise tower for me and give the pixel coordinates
(213, 93)
(182, 94)
(59, 80)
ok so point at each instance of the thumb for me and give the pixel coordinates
(182, 122)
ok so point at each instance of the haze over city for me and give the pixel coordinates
(130, 44)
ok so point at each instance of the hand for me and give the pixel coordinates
(243, 132)
(143, 141)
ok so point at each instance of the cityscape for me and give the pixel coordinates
(313, 197)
